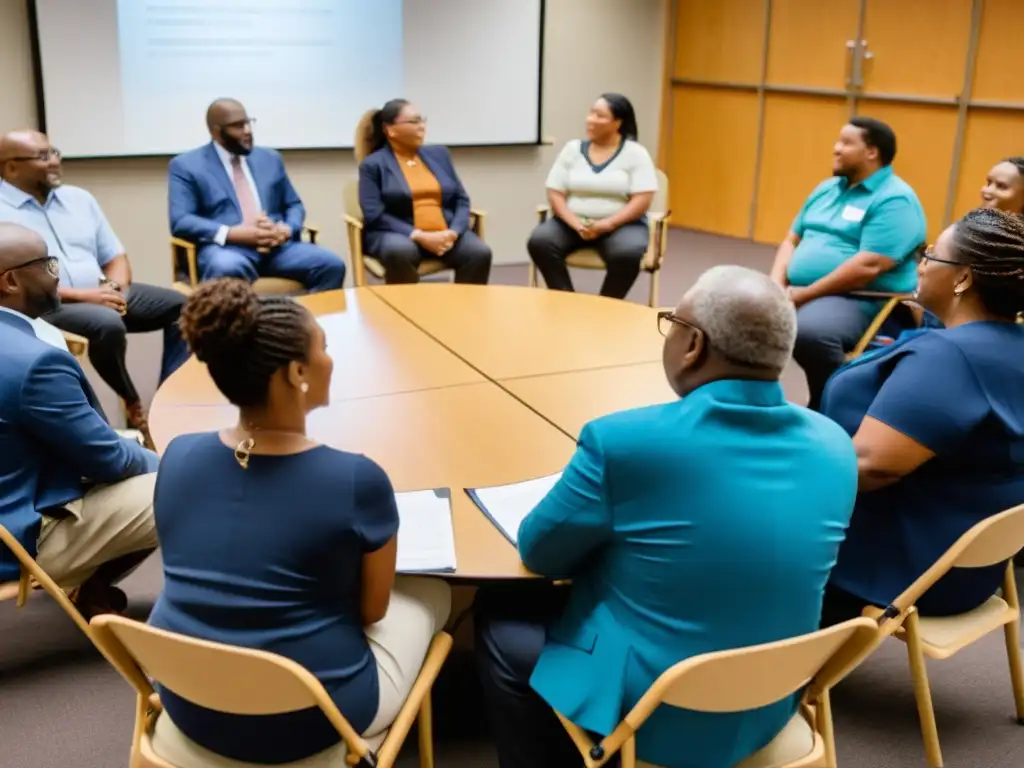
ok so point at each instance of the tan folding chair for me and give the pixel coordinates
(248, 682)
(893, 300)
(994, 540)
(185, 269)
(365, 262)
(748, 678)
(32, 576)
(658, 217)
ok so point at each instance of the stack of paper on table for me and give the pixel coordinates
(507, 505)
(426, 540)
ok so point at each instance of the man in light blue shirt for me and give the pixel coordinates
(858, 231)
(98, 298)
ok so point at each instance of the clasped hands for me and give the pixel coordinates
(436, 243)
(591, 230)
(261, 233)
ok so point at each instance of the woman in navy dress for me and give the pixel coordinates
(937, 420)
(272, 541)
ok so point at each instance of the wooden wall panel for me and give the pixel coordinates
(720, 41)
(714, 144)
(799, 133)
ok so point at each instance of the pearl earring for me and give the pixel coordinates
(304, 387)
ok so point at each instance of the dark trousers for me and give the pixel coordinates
(316, 268)
(149, 309)
(621, 250)
(827, 328)
(511, 629)
(470, 258)
(839, 605)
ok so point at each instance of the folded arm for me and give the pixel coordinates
(377, 528)
(183, 203)
(294, 213)
(914, 417)
(891, 234)
(460, 219)
(573, 520)
(55, 409)
(371, 201)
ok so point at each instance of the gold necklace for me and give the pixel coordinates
(243, 451)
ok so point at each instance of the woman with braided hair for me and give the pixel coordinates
(1004, 186)
(274, 542)
(938, 423)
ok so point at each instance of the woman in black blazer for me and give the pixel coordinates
(413, 204)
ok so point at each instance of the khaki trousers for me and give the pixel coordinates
(109, 522)
(418, 610)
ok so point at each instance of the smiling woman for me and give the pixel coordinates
(1004, 186)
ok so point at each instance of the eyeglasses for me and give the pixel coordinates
(50, 263)
(928, 254)
(249, 122)
(43, 156)
(667, 319)
(419, 120)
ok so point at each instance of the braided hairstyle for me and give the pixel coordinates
(1017, 162)
(991, 243)
(244, 338)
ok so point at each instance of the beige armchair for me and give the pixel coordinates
(185, 269)
(365, 262)
(658, 216)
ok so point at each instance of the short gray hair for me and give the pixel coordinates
(746, 316)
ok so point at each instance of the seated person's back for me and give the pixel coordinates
(938, 424)
(696, 526)
(245, 564)
(271, 541)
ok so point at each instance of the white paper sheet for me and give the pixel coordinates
(426, 541)
(507, 505)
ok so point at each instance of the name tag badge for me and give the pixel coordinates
(853, 214)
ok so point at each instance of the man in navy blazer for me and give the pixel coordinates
(414, 205)
(236, 203)
(74, 493)
(699, 525)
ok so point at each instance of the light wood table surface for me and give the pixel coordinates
(376, 352)
(431, 420)
(570, 400)
(508, 331)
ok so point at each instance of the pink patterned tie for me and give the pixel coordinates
(243, 191)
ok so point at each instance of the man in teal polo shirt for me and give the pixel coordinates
(858, 231)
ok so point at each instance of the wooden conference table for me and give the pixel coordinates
(458, 386)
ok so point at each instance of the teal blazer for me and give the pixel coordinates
(700, 525)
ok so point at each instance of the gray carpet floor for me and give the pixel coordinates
(62, 706)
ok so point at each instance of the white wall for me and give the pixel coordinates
(590, 46)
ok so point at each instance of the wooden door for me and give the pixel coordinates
(913, 78)
(804, 108)
(714, 103)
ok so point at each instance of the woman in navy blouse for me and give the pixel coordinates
(937, 420)
(272, 541)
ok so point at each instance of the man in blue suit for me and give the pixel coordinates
(73, 492)
(236, 203)
(696, 526)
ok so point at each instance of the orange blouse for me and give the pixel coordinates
(427, 213)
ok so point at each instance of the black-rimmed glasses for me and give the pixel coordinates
(42, 156)
(928, 254)
(248, 122)
(50, 263)
(667, 319)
